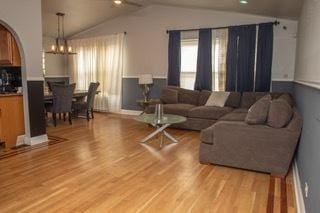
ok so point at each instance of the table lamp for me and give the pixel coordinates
(146, 82)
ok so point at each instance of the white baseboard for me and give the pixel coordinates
(36, 140)
(21, 140)
(130, 112)
(283, 79)
(297, 188)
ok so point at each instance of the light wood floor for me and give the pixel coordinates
(103, 168)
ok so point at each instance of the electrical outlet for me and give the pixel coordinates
(306, 189)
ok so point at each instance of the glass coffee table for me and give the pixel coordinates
(160, 125)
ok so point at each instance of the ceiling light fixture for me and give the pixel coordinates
(243, 2)
(117, 2)
(61, 44)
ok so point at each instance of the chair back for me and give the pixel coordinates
(51, 83)
(91, 94)
(62, 97)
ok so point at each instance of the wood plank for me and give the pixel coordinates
(103, 168)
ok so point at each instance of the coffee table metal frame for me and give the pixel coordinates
(160, 126)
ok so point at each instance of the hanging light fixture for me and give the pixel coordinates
(61, 44)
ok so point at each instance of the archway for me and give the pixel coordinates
(21, 139)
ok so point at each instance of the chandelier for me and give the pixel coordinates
(61, 45)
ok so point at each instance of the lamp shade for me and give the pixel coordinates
(145, 79)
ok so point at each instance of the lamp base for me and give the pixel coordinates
(146, 89)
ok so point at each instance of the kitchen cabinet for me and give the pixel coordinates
(11, 119)
(9, 52)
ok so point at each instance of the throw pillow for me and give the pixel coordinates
(169, 96)
(287, 98)
(217, 99)
(280, 113)
(258, 112)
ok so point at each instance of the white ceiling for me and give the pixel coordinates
(83, 14)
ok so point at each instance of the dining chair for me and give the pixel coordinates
(62, 101)
(87, 105)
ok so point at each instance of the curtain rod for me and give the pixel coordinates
(276, 22)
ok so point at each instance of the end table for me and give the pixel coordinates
(145, 103)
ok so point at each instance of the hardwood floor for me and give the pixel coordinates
(103, 168)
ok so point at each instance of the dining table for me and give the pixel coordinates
(77, 94)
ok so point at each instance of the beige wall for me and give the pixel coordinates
(24, 17)
(55, 64)
(308, 49)
(147, 40)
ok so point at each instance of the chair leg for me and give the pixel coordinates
(70, 118)
(59, 116)
(88, 115)
(92, 113)
(54, 117)
(64, 116)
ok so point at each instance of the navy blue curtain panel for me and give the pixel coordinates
(246, 58)
(264, 57)
(232, 59)
(204, 62)
(241, 58)
(174, 58)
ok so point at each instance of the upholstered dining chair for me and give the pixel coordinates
(62, 101)
(87, 105)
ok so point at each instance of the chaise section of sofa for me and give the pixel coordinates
(253, 147)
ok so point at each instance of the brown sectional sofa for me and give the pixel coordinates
(226, 139)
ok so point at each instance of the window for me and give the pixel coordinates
(189, 54)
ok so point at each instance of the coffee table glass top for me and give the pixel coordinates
(166, 119)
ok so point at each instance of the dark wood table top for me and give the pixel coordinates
(76, 94)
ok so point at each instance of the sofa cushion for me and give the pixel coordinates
(234, 116)
(241, 110)
(233, 100)
(280, 113)
(209, 112)
(258, 112)
(178, 109)
(186, 96)
(169, 96)
(249, 98)
(203, 97)
(217, 99)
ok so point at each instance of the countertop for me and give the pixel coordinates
(10, 94)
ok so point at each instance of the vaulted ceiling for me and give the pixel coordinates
(83, 14)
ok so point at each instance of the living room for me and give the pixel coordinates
(182, 120)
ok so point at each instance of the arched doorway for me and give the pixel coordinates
(14, 118)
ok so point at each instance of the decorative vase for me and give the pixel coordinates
(158, 112)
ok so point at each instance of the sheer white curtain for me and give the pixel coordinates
(219, 59)
(100, 59)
